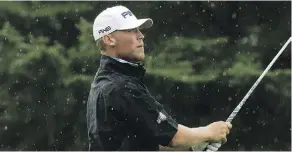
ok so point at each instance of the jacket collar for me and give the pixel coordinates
(121, 66)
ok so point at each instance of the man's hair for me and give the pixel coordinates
(100, 45)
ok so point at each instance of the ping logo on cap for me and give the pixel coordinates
(104, 30)
(124, 14)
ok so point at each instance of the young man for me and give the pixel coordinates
(121, 113)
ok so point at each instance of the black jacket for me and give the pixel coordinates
(122, 114)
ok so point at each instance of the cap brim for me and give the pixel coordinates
(141, 23)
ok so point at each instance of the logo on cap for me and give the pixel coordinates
(124, 14)
(104, 30)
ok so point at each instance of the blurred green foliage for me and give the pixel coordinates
(202, 57)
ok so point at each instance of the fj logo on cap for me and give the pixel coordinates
(124, 14)
(104, 30)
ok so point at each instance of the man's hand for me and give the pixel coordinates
(164, 148)
(187, 137)
(199, 147)
(218, 131)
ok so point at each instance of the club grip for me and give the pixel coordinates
(213, 147)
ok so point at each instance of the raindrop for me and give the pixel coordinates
(229, 98)
(5, 128)
(57, 26)
(83, 70)
(212, 5)
(234, 15)
(276, 140)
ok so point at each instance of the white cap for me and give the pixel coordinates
(117, 18)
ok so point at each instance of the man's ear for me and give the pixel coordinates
(109, 40)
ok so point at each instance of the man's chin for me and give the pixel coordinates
(140, 58)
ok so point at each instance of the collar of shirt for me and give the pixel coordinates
(128, 68)
(124, 61)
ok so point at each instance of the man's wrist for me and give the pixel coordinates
(206, 134)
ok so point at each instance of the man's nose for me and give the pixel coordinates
(140, 35)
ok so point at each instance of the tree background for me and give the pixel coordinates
(202, 58)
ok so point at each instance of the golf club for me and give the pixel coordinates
(238, 107)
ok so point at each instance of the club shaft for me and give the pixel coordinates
(238, 107)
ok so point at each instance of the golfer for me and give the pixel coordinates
(121, 113)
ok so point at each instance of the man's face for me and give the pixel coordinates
(129, 44)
